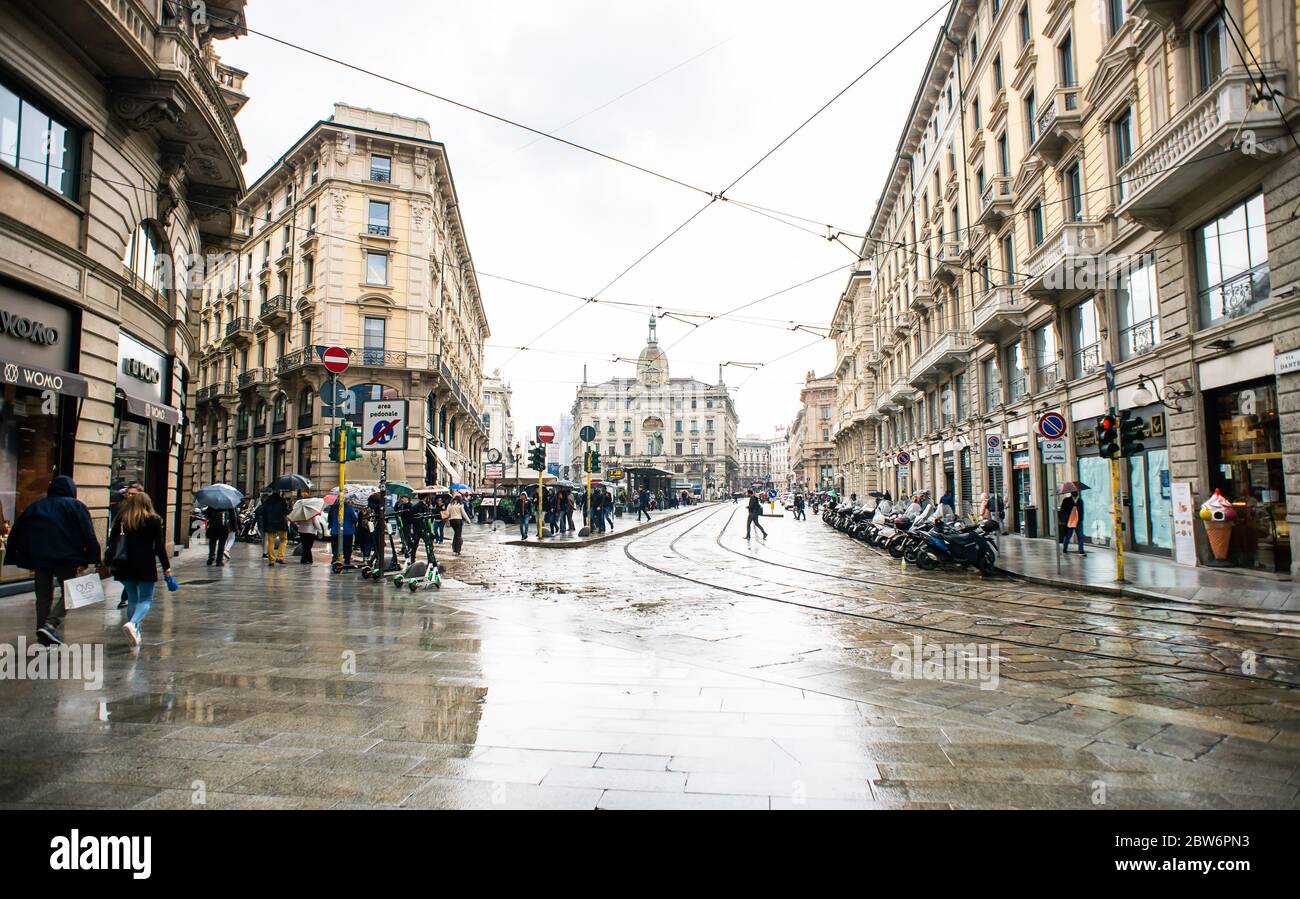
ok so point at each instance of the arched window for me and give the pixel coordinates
(241, 425)
(147, 259)
(259, 418)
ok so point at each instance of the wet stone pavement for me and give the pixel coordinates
(679, 667)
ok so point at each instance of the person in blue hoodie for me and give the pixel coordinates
(53, 537)
(349, 528)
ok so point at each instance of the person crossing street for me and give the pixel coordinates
(755, 510)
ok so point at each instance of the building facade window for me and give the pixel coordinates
(373, 334)
(377, 218)
(377, 268)
(39, 144)
(1045, 353)
(1121, 130)
(381, 168)
(1139, 310)
(1072, 185)
(1232, 263)
(1211, 51)
(147, 259)
(1085, 338)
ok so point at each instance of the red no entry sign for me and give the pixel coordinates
(546, 434)
(336, 360)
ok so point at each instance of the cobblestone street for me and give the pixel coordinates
(679, 667)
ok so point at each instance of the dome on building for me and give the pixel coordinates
(652, 364)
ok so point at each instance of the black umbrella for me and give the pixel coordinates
(292, 482)
(218, 496)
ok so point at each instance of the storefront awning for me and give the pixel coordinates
(441, 455)
(149, 410)
(37, 378)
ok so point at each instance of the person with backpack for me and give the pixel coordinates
(349, 527)
(525, 511)
(273, 519)
(54, 537)
(136, 548)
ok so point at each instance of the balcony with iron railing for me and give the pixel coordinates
(239, 330)
(377, 230)
(275, 311)
(992, 397)
(1194, 147)
(382, 175)
(1060, 122)
(996, 201)
(1067, 263)
(1000, 312)
(1086, 360)
(1047, 376)
(948, 350)
(256, 377)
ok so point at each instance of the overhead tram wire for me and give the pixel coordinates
(721, 195)
(469, 107)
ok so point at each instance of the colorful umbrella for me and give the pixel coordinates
(305, 510)
(1072, 487)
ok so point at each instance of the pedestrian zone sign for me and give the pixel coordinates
(383, 425)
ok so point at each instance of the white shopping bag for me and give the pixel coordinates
(230, 542)
(82, 591)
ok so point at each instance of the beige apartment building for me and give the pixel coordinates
(1081, 187)
(120, 165)
(855, 359)
(353, 238)
(812, 435)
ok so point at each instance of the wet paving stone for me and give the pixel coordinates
(677, 668)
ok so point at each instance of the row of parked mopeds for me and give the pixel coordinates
(917, 533)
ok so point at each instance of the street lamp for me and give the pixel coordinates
(1143, 396)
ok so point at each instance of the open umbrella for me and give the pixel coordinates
(218, 496)
(355, 495)
(400, 488)
(459, 487)
(305, 510)
(421, 491)
(292, 482)
(1072, 487)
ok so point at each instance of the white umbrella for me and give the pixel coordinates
(304, 510)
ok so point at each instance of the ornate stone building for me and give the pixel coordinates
(354, 239)
(681, 429)
(755, 456)
(120, 167)
(497, 416)
(812, 442)
(1081, 187)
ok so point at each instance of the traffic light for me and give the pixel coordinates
(336, 443)
(537, 457)
(1108, 435)
(1132, 429)
(593, 460)
(353, 441)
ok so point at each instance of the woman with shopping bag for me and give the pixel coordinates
(1070, 519)
(136, 547)
(454, 515)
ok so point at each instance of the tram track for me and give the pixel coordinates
(1287, 678)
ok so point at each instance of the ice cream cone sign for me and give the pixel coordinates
(1217, 508)
(1217, 514)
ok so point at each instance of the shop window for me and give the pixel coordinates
(1245, 455)
(1232, 263)
(39, 144)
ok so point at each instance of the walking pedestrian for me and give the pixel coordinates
(607, 510)
(755, 510)
(455, 516)
(800, 510)
(135, 543)
(439, 506)
(1070, 520)
(377, 505)
(311, 527)
(643, 505)
(350, 517)
(55, 538)
(569, 508)
(220, 524)
(402, 513)
(525, 511)
(273, 519)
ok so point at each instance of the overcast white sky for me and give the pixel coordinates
(545, 213)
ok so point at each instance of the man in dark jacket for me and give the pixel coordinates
(55, 538)
(755, 510)
(1070, 521)
(643, 504)
(273, 519)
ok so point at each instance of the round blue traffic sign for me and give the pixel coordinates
(904, 458)
(1051, 425)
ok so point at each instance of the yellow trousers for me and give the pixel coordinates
(276, 541)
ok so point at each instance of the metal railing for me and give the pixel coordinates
(234, 326)
(381, 175)
(381, 230)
